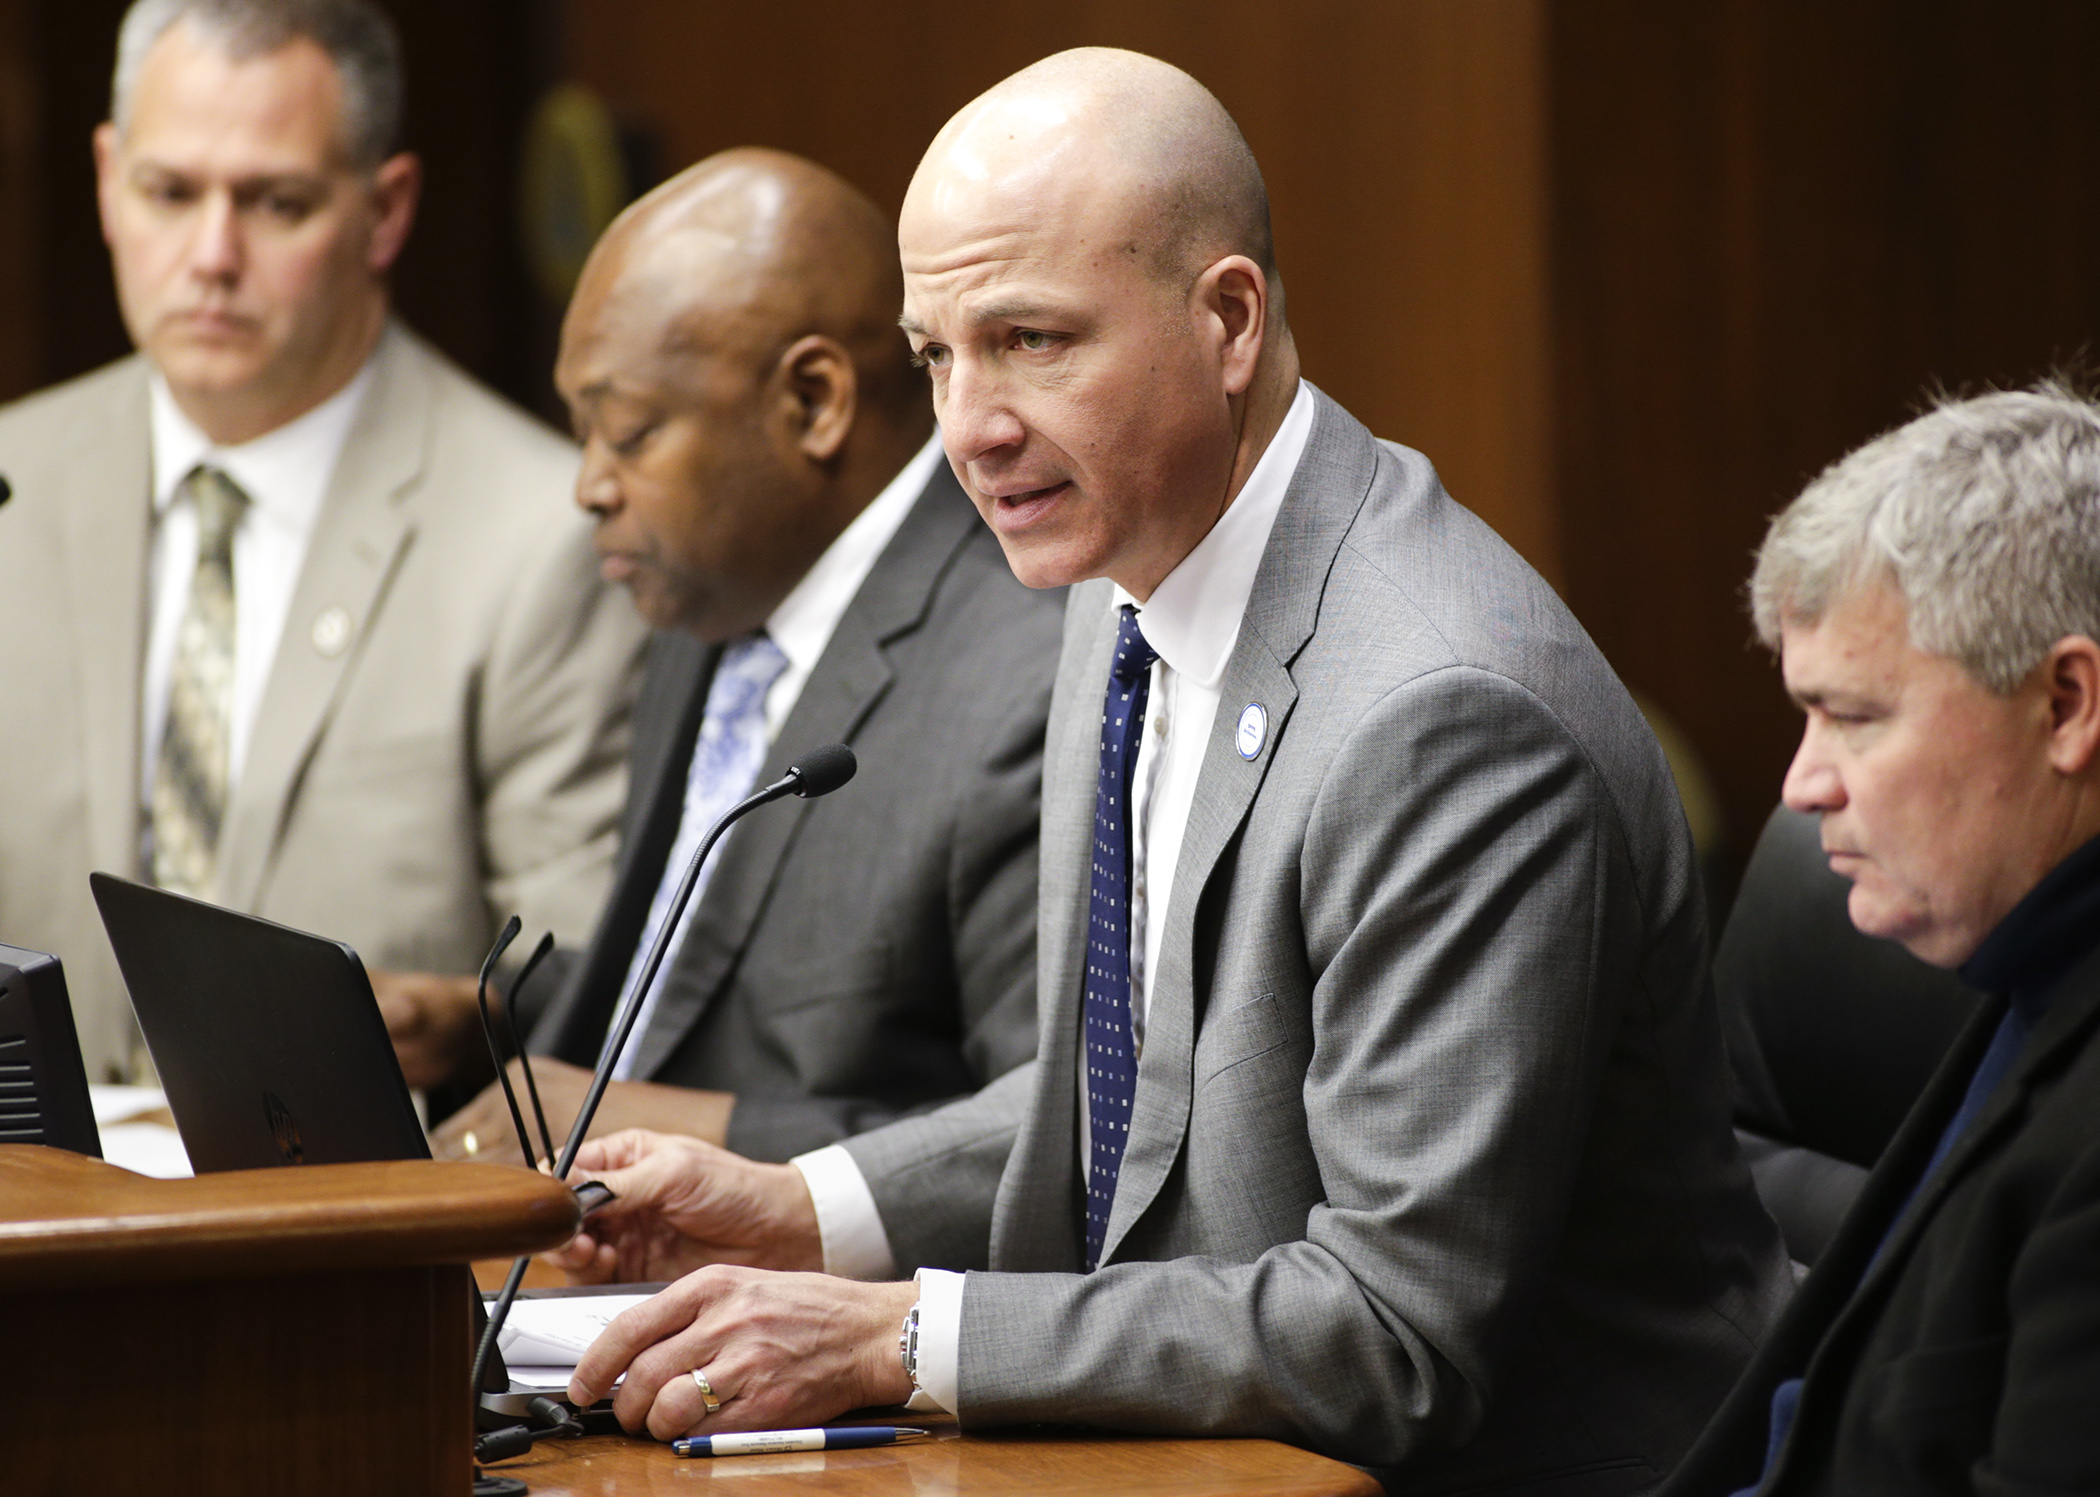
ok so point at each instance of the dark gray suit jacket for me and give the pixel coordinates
(1430, 1164)
(873, 952)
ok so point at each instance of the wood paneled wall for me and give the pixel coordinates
(20, 341)
(1403, 144)
(1628, 270)
(1776, 227)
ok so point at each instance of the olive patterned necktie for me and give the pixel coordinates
(191, 772)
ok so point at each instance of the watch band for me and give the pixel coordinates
(908, 1348)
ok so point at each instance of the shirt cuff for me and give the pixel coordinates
(855, 1245)
(940, 1340)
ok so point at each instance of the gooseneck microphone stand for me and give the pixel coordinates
(817, 773)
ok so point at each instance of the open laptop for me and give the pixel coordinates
(271, 1049)
(268, 1040)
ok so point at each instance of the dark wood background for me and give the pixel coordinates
(1630, 271)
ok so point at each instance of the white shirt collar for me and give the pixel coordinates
(285, 473)
(803, 623)
(1193, 617)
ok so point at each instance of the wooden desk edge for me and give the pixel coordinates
(70, 1221)
(1027, 1461)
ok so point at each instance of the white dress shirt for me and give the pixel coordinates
(285, 474)
(802, 626)
(1192, 620)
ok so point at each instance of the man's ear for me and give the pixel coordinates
(823, 394)
(396, 187)
(106, 143)
(2071, 676)
(1235, 292)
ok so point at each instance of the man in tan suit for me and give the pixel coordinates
(300, 619)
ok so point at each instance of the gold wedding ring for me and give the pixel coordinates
(707, 1391)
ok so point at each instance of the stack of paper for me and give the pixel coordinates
(543, 1338)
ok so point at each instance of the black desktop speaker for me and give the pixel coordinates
(43, 1083)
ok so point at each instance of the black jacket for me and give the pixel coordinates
(1968, 1359)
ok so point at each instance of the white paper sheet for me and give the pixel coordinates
(146, 1149)
(143, 1148)
(544, 1337)
(120, 1104)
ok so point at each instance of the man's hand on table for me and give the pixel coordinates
(781, 1351)
(431, 1019)
(680, 1204)
(485, 1121)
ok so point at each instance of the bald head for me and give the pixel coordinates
(1089, 277)
(1129, 130)
(732, 364)
(741, 255)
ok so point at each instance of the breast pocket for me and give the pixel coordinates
(414, 758)
(1246, 1033)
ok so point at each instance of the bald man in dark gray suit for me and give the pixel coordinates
(760, 463)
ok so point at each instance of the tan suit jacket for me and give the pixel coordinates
(454, 754)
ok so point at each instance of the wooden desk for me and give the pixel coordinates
(261, 1331)
(304, 1331)
(1034, 1463)
(1037, 1463)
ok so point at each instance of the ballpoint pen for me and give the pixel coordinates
(775, 1441)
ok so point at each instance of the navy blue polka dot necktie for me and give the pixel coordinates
(1111, 1057)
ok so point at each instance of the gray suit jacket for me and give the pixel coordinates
(873, 952)
(457, 757)
(1430, 1161)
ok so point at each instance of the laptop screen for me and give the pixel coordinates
(269, 1043)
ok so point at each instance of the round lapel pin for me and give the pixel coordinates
(1253, 730)
(332, 631)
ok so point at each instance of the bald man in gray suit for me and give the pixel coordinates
(1379, 1103)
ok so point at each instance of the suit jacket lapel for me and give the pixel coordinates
(1732, 1450)
(108, 519)
(2066, 1022)
(363, 530)
(1333, 476)
(850, 677)
(1035, 1227)
(666, 725)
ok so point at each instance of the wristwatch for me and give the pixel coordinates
(908, 1348)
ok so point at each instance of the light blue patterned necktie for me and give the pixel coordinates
(726, 760)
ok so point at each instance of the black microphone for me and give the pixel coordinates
(817, 773)
(822, 771)
(7, 491)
